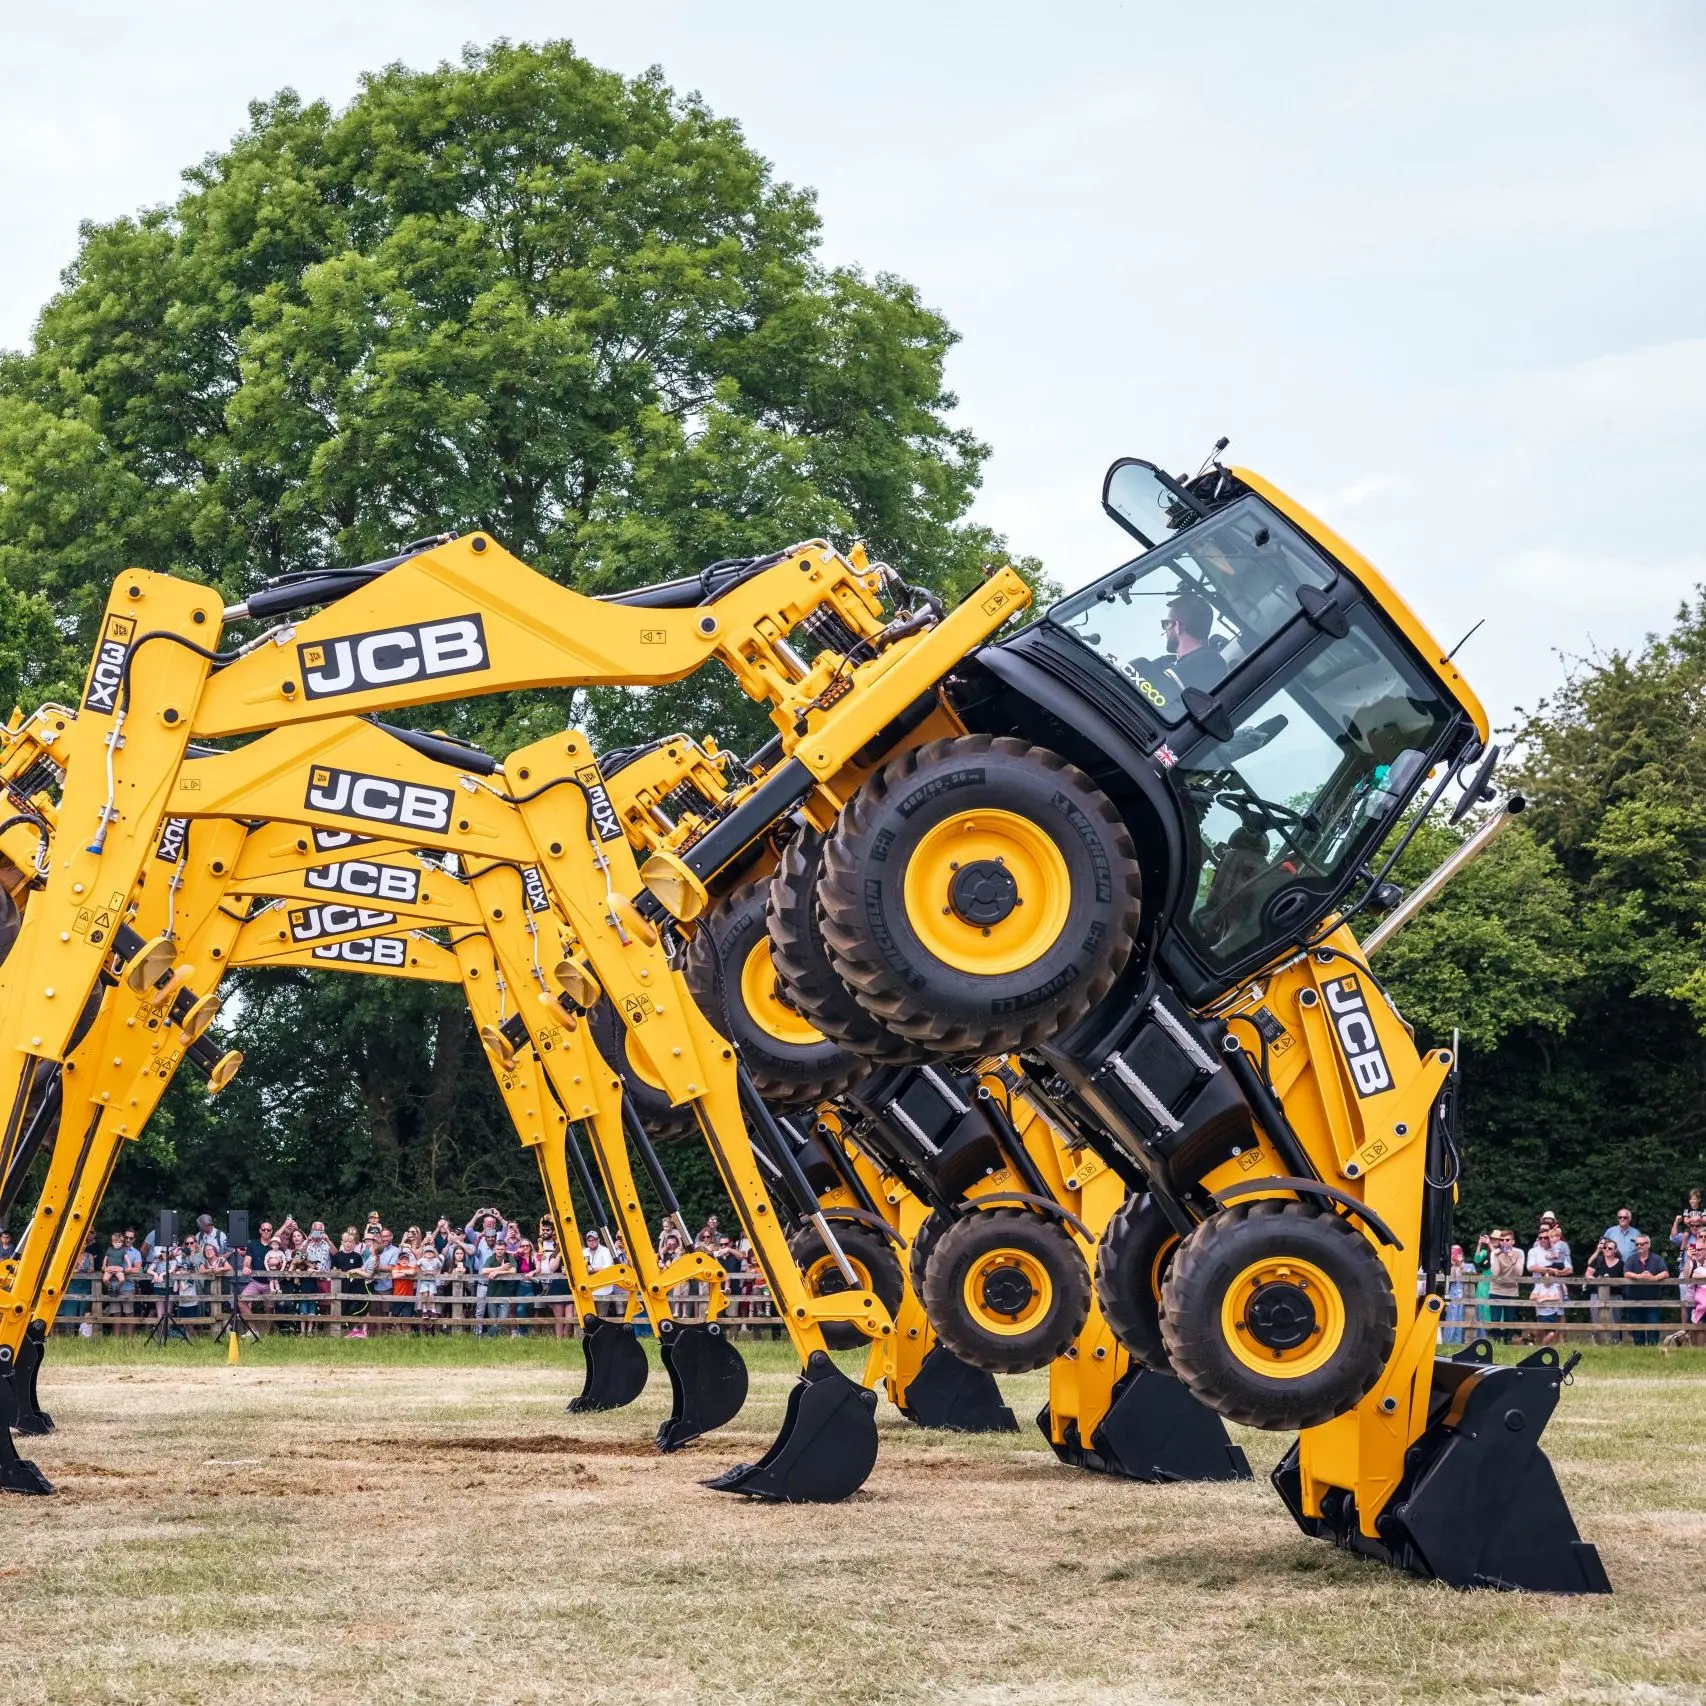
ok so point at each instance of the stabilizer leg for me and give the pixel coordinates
(707, 1377)
(827, 1446)
(1479, 1504)
(616, 1366)
(948, 1393)
(32, 1418)
(17, 1474)
(1153, 1430)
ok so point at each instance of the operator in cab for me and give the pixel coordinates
(1190, 660)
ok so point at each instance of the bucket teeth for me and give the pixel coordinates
(1479, 1504)
(827, 1446)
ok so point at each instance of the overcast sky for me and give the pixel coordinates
(1438, 271)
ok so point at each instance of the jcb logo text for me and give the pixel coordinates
(409, 805)
(1357, 1036)
(358, 662)
(365, 951)
(367, 878)
(310, 923)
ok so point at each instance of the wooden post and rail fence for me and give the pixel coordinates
(1592, 1311)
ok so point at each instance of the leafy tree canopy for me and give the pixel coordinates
(520, 294)
(1572, 955)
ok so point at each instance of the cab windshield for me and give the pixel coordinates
(1317, 770)
(1190, 611)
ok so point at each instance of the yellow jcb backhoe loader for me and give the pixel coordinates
(479, 621)
(829, 1443)
(1104, 843)
(515, 962)
(1232, 726)
(1139, 868)
(1002, 1219)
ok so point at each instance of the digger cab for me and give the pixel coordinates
(1289, 704)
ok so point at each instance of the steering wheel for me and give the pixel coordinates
(1267, 815)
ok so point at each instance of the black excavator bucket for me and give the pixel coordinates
(707, 1376)
(1479, 1505)
(32, 1418)
(17, 1474)
(616, 1366)
(827, 1446)
(1154, 1430)
(948, 1393)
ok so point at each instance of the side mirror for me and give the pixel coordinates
(1476, 787)
(1148, 504)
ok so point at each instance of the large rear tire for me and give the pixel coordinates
(1278, 1314)
(1136, 1248)
(872, 1258)
(1006, 1290)
(979, 895)
(804, 968)
(733, 976)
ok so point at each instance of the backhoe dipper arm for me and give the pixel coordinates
(113, 1080)
(586, 1088)
(691, 1061)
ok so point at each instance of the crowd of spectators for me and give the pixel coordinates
(1528, 1294)
(489, 1269)
(1627, 1287)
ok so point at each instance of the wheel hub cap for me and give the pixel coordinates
(1007, 1291)
(1284, 1316)
(1281, 1316)
(983, 892)
(768, 1005)
(987, 892)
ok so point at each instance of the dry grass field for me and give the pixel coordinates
(340, 1523)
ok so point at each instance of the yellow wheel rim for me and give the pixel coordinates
(824, 1277)
(987, 892)
(1158, 1267)
(1283, 1317)
(762, 998)
(1007, 1292)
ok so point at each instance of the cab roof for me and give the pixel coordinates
(1372, 581)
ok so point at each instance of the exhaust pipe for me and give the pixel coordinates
(1472, 849)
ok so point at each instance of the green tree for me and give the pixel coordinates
(1573, 954)
(517, 293)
